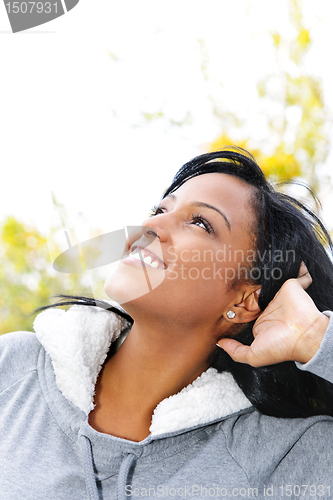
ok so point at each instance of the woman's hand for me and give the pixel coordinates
(290, 328)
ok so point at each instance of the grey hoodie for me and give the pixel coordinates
(205, 442)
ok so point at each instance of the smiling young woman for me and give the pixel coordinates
(223, 376)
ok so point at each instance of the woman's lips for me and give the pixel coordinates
(143, 256)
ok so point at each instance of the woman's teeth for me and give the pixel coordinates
(147, 260)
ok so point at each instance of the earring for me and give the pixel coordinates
(231, 314)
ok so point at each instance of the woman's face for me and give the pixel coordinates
(203, 239)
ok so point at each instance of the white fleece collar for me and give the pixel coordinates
(78, 340)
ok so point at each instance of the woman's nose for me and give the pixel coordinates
(155, 227)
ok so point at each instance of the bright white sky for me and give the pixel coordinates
(73, 92)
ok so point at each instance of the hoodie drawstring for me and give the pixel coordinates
(123, 476)
(89, 473)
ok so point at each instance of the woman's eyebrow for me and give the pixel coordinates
(202, 204)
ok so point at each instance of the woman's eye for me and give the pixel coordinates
(197, 219)
(201, 222)
(156, 211)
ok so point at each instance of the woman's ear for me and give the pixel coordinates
(248, 308)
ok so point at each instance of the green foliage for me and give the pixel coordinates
(299, 123)
(27, 279)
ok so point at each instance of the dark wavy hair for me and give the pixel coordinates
(284, 226)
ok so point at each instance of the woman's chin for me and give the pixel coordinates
(130, 282)
(119, 292)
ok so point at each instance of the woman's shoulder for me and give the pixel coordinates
(267, 446)
(263, 428)
(18, 356)
(21, 343)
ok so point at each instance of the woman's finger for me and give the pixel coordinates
(304, 277)
(237, 351)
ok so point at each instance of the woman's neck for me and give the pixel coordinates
(150, 366)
